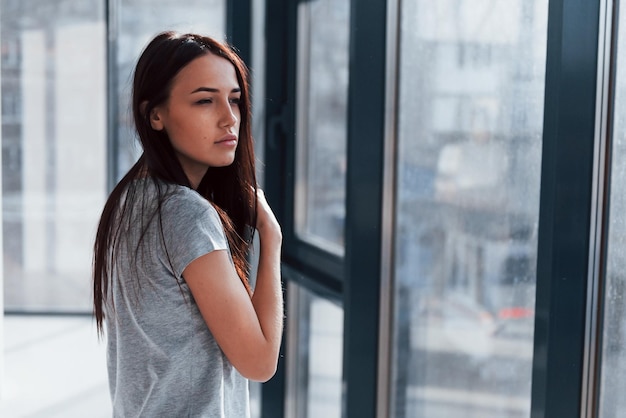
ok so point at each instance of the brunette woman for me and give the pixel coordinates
(184, 329)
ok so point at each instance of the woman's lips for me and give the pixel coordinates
(228, 140)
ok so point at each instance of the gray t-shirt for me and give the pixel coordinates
(162, 359)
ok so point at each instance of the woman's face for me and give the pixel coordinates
(201, 116)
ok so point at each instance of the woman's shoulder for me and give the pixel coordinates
(170, 200)
(184, 200)
(176, 192)
(157, 189)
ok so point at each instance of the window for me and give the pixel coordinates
(53, 150)
(314, 355)
(322, 123)
(467, 206)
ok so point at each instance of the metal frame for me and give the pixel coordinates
(607, 54)
(567, 191)
(364, 205)
(293, 343)
(279, 92)
(385, 326)
(317, 270)
(239, 27)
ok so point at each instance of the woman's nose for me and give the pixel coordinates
(229, 118)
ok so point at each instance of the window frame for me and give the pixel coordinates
(573, 202)
(570, 212)
(311, 267)
(320, 266)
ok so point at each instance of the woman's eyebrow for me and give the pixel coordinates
(214, 90)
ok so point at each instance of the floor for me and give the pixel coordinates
(54, 366)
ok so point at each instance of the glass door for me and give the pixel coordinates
(471, 78)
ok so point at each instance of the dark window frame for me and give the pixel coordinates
(313, 268)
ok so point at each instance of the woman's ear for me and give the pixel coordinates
(155, 119)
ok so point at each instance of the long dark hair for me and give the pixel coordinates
(231, 189)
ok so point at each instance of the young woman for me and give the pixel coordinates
(184, 330)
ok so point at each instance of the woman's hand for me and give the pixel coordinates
(266, 222)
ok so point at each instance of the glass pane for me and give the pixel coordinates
(470, 114)
(257, 75)
(613, 370)
(139, 21)
(315, 353)
(322, 129)
(53, 150)
(257, 81)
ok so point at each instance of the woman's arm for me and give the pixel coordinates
(248, 330)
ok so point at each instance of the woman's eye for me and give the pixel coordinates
(204, 101)
(235, 100)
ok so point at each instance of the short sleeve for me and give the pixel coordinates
(192, 228)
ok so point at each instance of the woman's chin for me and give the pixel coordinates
(221, 164)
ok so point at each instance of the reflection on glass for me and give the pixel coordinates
(470, 113)
(322, 127)
(53, 73)
(613, 371)
(139, 21)
(314, 355)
